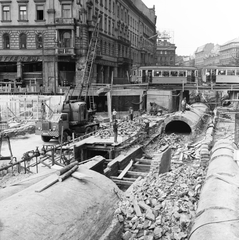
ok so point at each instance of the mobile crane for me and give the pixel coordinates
(73, 115)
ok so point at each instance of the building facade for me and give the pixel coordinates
(44, 43)
(229, 52)
(165, 53)
(201, 53)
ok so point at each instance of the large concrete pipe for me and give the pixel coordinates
(72, 209)
(185, 122)
(217, 215)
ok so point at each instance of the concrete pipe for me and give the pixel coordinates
(217, 215)
(186, 122)
(72, 209)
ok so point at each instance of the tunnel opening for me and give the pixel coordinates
(177, 127)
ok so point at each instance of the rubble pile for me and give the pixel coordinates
(125, 128)
(162, 206)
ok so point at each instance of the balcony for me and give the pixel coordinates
(124, 60)
(65, 51)
(64, 21)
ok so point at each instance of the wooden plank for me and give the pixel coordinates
(137, 208)
(80, 176)
(48, 184)
(67, 174)
(126, 169)
(66, 168)
(124, 178)
(133, 173)
(121, 182)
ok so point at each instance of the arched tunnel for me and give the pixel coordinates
(177, 127)
(185, 122)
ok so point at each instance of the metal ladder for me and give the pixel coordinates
(85, 82)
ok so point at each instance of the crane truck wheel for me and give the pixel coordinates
(95, 128)
(45, 138)
(88, 130)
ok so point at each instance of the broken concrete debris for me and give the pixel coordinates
(162, 207)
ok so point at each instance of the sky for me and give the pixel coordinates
(194, 23)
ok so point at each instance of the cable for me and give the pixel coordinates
(205, 224)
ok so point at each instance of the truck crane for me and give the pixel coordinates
(73, 116)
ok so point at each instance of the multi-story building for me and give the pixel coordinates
(213, 57)
(165, 53)
(201, 53)
(229, 52)
(45, 42)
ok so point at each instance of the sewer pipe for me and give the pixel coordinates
(186, 121)
(73, 209)
(217, 215)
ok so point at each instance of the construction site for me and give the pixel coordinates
(157, 171)
(170, 175)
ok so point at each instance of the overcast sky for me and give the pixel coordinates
(195, 23)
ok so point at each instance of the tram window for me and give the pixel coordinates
(230, 72)
(182, 73)
(140, 73)
(221, 72)
(174, 73)
(166, 73)
(157, 73)
(134, 73)
(237, 72)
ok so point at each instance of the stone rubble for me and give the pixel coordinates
(165, 205)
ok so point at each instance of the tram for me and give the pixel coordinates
(165, 75)
(219, 75)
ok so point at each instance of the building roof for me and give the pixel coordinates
(206, 47)
(231, 41)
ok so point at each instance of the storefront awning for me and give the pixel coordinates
(20, 58)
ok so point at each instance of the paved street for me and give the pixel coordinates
(22, 144)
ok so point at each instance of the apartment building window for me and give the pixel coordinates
(113, 7)
(106, 3)
(66, 11)
(105, 24)
(22, 41)
(23, 13)
(66, 40)
(118, 11)
(39, 12)
(113, 28)
(109, 27)
(39, 40)
(109, 5)
(6, 41)
(6, 13)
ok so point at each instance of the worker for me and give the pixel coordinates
(183, 104)
(114, 115)
(131, 114)
(147, 127)
(43, 110)
(115, 130)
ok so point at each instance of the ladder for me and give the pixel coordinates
(85, 82)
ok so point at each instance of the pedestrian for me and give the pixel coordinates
(131, 114)
(114, 115)
(115, 130)
(183, 104)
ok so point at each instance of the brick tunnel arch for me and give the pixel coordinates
(178, 126)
